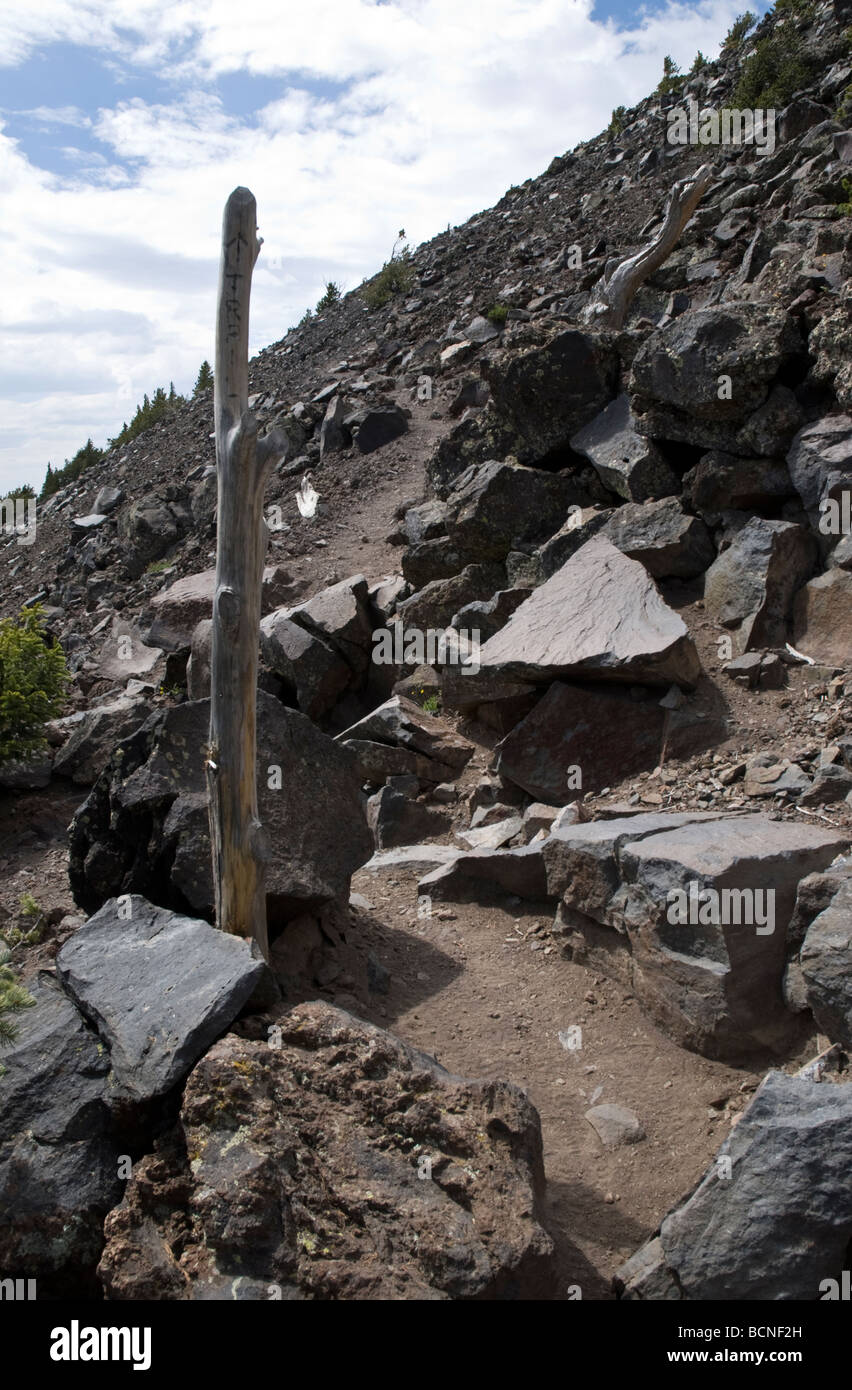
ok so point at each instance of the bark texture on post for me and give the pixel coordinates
(243, 465)
(612, 298)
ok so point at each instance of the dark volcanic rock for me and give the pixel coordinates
(599, 616)
(338, 1163)
(603, 732)
(144, 827)
(544, 396)
(628, 464)
(749, 588)
(773, 1222)
(676, 381)
(159, 988)
(662, 537)
(58, 1165)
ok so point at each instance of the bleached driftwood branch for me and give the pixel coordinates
(611, 298)
(243, 465)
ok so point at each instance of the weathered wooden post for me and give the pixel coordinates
(243, 464)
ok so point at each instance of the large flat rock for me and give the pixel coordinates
(600, 616)
(159, 988)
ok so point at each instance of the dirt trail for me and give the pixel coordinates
(485, 991)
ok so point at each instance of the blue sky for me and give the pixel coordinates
(124, 124)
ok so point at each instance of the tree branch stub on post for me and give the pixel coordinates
(611, 298)
(243, 465)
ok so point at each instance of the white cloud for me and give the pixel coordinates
(413, 113)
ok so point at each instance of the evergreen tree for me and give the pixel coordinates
(204, 380)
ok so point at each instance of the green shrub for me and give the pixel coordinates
(738, 30)
(699, 62)
(33, 678)
(774, 72)
(497, 314)
(432, 704)
(395, 277)
(846, 207)
(332, 294)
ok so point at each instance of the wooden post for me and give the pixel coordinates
(243, 465)
(611, 298)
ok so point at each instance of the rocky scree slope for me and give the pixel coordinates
(631, 519)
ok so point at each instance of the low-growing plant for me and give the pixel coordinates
(33, 680)
(159, 566)
(846, 206)
(497, 314)
(13, 1000)
(431, 704)
(699, 63)
(798, 9)
(395, 277)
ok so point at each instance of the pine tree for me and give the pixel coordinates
(204, 380)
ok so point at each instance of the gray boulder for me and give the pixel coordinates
(778, 1225)
(434, 605)
(144, 827)
(403, 725)
(340, 617)
(544, 396)
(397, 820)
(826, 961)
(599, 616)
(480, 874)
(603, 732)
(90, 744)
(159, 988)
(675, 383)
(822, 618)
(663, 537)
(693, 911)
(750, 587)
(495, 506)
(820, 461)
(310, 668)
(722, 482)
(374, 427)
(58, 1164)
(625, 462)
